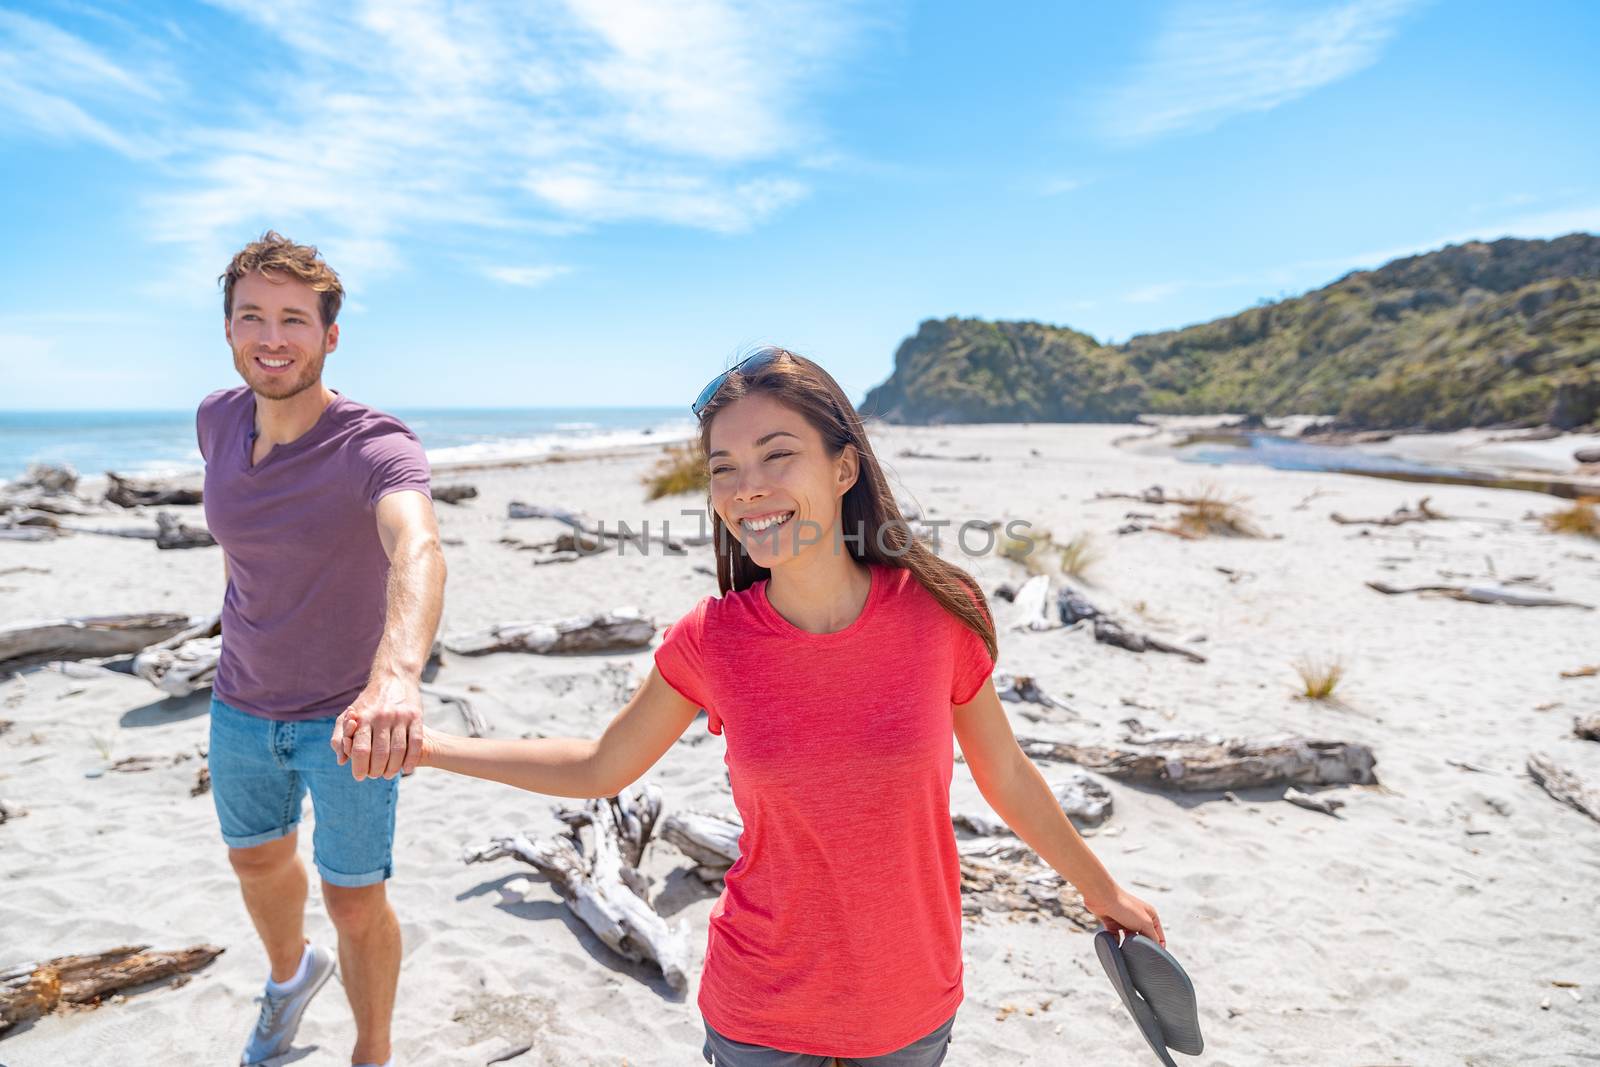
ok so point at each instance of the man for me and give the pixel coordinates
(335, 582)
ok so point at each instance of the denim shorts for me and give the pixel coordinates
(260, 772)
(928, 1051)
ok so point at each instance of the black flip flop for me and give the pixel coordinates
(1156, 992)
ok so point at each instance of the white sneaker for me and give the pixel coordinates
(280, 1012)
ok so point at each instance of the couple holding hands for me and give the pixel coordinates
(837, 663)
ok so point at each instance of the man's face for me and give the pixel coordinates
(276, 335)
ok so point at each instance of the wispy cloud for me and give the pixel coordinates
(1061, 186)
(458, 119)
(56, 85)
(1301, 274)
(1211, 61)
(1543, 224)
(527, 277)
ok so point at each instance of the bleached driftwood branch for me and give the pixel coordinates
(711, 841)
(1007, 881)
(172, 532)
(1482, 594)
(605, 892)
(1033, 605)
(36, 989)
(1085, 801)
(1075, 607)
(1399, 517)
(584, 524)
(46, 488)
(622, 630)
(1196, 762)
(1564, 785)
(82, 638)
(143, 492)
(184, 663)
(454, 494)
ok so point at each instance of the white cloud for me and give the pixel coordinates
(1544, 224)
(1061, 186)
(1212, 61)
(58, 86)
(528, 277)
(464, 120)
(1302, 274)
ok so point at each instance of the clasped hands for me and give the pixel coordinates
(381, 733)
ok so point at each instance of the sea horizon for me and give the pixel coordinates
(161, 442)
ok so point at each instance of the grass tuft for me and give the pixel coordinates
(681, 470)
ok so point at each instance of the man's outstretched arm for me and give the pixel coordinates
(388, 737)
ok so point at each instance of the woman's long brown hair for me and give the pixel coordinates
(868, 506)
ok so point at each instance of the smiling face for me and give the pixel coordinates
(276, 333)
(773, 482)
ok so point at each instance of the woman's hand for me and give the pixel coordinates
(1123, 913)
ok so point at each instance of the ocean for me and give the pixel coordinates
(154, 443)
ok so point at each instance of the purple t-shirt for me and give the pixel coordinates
(307, 574)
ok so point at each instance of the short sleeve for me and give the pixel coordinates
(681, 663)
(205, 418)
(972, 664)
(395, 461)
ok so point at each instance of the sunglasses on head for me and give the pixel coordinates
(748, 363)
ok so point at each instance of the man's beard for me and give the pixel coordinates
(307, 373)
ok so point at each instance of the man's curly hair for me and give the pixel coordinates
(276, 253)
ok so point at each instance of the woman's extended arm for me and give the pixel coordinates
(1019, 794)
(653, 718)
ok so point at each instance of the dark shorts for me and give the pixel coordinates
(261, 771)
(928, 1051)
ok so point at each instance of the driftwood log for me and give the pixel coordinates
(36, 989)
(622, 630)
(591, 872)
(1563, 785)
(1006, 881)
(29, 526)
(1587, 728)
(476, 724)
(595, 530)
(184, 663)
(1311, 802)
(1022, 688)
(454, 494)
(711, 841)
(144, 492)
(26, 644)
(1074, 607)
(1398, 517)
(1200, 762)
(46, 488)
(1085, 801)
(172, 532)
(1481, 594)
(1033, 605)
(1153, 495)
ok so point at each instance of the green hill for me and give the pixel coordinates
(1474, 334)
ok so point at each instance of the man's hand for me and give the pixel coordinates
(381, 733)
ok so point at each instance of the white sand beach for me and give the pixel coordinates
(1426, 925)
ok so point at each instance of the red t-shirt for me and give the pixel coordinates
(839, 930)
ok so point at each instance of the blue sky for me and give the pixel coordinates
(582, 202)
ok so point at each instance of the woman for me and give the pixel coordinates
(838, 661)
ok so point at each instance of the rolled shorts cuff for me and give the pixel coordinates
(354, 881)
(251, 841)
